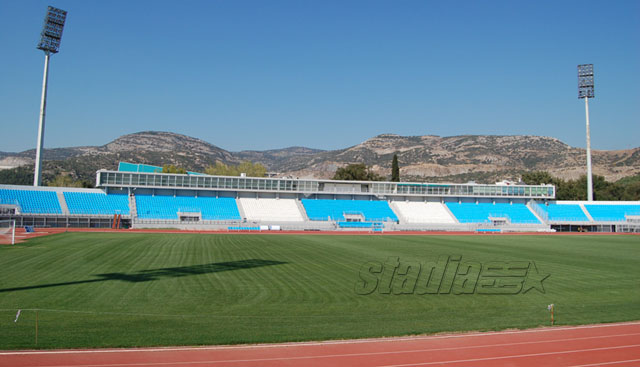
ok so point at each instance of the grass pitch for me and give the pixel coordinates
(132, 289)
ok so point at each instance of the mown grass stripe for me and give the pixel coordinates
(177, 289)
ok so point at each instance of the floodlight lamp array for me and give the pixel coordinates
(585, 81)
(52, 30)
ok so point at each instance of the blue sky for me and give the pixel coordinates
(323, 74)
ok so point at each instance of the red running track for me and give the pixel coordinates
(616, 345)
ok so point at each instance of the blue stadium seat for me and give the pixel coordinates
(481, 212)
(564, 212)
(356, 224)
(335, 209)
(611, 213)
(32, 201)
(94, 203)
(243, 228)
(167, 207)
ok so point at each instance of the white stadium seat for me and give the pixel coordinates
(421, 212)
(285, 210)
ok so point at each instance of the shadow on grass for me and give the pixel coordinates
(155, 274)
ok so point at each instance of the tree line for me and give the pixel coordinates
(626, 189)
(23, 175)
(361, 172)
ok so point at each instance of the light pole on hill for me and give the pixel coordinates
(585, 90)
(49, 43)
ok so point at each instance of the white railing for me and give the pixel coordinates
(538, 210)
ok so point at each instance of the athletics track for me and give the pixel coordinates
(616, 345)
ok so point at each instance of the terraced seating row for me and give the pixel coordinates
(567, 212)
(94, 202)
(421, 212)
(612, 213)
(564, 212)
(322, 209)
(90, 203)
(360, 224)
(482, 212)
(167, 207)
(285, 210)
(32, 201)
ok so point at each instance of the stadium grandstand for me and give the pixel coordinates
(139, 196)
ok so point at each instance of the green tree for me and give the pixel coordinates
(605, 190)
(570, 190)
(577, 189)
(64, 180)
(395, 169)
(356, 172)
(22, 175)
(538, 178)
(250, 169)
(219, 169)
(632, 191)
(630, 187)
(170, 168)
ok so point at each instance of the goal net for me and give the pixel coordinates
(7, 232)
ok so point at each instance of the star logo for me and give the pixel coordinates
(534, 279)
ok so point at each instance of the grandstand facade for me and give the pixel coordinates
(144, 198)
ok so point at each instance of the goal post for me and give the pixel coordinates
(8, 231)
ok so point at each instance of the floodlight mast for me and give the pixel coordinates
(585, 90)
(49, 43)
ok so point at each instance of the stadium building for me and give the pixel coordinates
(137, 196)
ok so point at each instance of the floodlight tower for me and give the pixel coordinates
(585, 90)
(49, 43)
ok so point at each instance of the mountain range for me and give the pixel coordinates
(484, 158)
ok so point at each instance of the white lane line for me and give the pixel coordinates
(605, 363)
(365, 354)
(321, 343)
(395, 365)
(512, 356)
